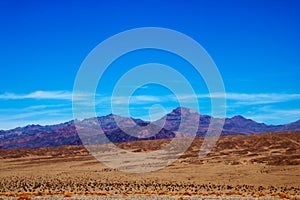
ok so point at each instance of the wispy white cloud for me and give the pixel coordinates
(27, 113)
(258, 106)
(34, 108)
(59, 95)
(241, 98)
(37, 114)
(272, 115)
(137, 99)
(262, 98)
(253, 98)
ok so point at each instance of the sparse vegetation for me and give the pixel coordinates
(235, 170)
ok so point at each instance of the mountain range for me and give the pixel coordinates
(116, 128)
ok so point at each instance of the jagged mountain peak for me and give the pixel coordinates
(239, 117)
(113, 125)
(184, 110)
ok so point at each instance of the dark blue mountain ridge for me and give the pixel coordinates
(35, 136)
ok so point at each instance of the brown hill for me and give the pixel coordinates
(281, 148)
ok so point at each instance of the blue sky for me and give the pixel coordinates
(255, 45)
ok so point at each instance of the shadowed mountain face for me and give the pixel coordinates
(122, 129)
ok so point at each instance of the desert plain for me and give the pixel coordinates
(257, 166)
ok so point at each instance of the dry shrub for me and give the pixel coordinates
(102, 193)
(274, 195)
(162, 193)
(217, 193)
(39, 193)
(235, 193)
(261, 194)
(187, 193)
(79, 193)
(284, 196)
(24, 196)
(176, 193)
(204, 193)
(147, 194)
(8, 194)
(124, 193)
(68, 194)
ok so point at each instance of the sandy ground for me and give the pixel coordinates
(265, 166)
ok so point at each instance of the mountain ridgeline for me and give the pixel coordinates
(121, 129)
